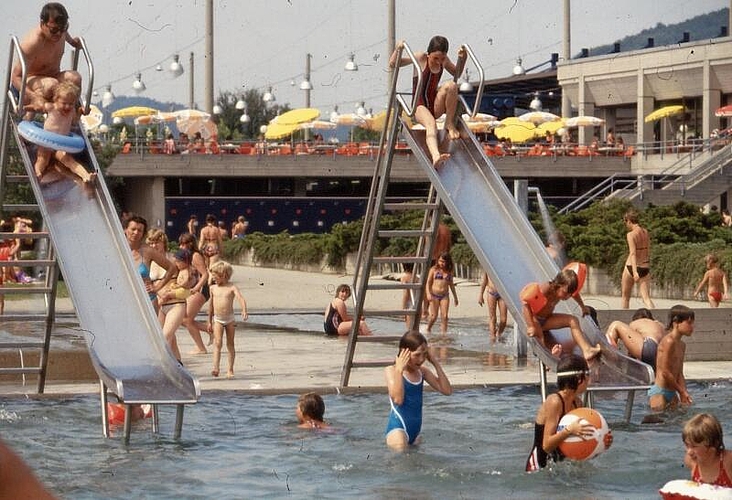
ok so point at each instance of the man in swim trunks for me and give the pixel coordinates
(640, 337)
(669, 388)
(434, 100)
(43, 48)
(637, 265)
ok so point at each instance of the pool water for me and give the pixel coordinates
(245, 446)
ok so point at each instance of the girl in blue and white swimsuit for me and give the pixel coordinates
(405, 380)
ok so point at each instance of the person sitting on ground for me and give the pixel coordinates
(337, 321)
(61, 115)
(539, 301)
(435, 99)
(640, 337)
(310, 410)
(43, 48)
(669, 388)
(716, 281)
(706, 457)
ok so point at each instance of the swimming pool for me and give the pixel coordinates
(243, 446)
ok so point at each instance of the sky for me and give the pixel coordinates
(258, 43)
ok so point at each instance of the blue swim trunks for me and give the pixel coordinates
(668, 394)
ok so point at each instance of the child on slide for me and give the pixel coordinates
(62, 114)
(435, 99)
(539, 301)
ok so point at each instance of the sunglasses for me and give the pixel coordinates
(57, 29)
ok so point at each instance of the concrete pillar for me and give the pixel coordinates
(644, 107)
(586, 108)
(711, 99)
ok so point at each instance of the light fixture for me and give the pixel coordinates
(351, 63)
(244, 118)
(269, 96)
(292, 83)
(240, 104)
(103, 128)
(263, 129)
(217, 110)
(361, 110)
(334, 114)
(176, 68)
(159, 67)
(536, 103)
(108, 96)
(306, 85)
(466, 86)
(138, 85)
(519, 69)
(118, 120)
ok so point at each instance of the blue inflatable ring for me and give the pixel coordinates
(33, 132)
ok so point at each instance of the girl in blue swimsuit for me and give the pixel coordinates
(405, 380)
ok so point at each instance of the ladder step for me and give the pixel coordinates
(21, 371)
(396, 285)
(403, 233)
(21, 289)
(24, 236)
(22, 345)
(379, 338)
(400, 260)
(16, 178)
(371, 364)
(23, 317)
(27, 263)
(411, 205)
(21, 207)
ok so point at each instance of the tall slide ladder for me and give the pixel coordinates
(124, 338)
(374, 230)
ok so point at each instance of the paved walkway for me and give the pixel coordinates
(296, 356)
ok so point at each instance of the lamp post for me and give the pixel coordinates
(306, 85)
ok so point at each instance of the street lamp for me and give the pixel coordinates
(240, 104)
(138, 86)
(351, 63)
(465, 85)
(269, 96)
(108, 96)
(519, 69)
(305, 84)
(176, 68)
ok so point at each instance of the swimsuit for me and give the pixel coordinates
(668, 394)
(717, 296)
(439, 296)
(429, 90)
(642, 271)
(538, 458)
(330, 325)
(145, 274)
(226, 320)
(407, 417)
(722, 478)
(648, 353)
(494, 294)
(440, 276)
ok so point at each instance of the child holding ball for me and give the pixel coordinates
(573, 376)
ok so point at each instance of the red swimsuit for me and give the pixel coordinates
(722, 478)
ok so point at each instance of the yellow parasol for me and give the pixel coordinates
(583, 121)
(134, 111)
(377, 122)
(278, 131)
(516, 130)
(551, 127)
(297, 116)
(665, 112)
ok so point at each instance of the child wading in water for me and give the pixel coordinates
(62, 114)
(539, 301)
(405, 380)
(221, 313)
(435, 99)
(439, 285)
(310, 410)
(716, 281)
(572, 378)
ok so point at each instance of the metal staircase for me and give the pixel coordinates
(373, 231)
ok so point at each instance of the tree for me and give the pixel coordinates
(260, 113)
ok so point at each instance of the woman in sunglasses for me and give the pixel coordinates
(43, 47)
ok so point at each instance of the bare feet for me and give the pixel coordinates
(592, 352)
(441, 160)
(557, 350)
(90, 178)
(230, 375)
(198, 351)
(453, 133)
(214, 373)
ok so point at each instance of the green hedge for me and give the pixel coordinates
(681, 237)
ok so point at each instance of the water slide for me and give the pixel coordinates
(508, 247)
(124, 338)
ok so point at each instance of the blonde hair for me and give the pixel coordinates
(155, 235)
(705, 429)
(66, 89)
(712, 259)
(221, 268)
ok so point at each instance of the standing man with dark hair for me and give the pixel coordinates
(43, 47)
